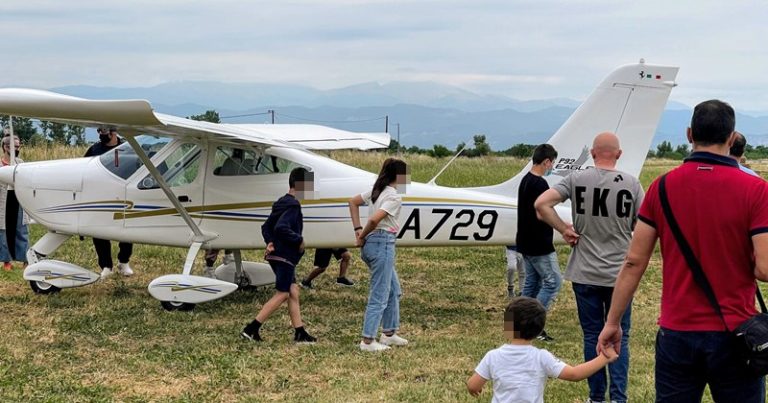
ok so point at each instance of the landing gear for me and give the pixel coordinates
(171, 306)
(41, 287)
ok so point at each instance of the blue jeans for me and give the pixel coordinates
(687, 361)
(21, 242)
(542, 278)
(593, 303)
(384, 295)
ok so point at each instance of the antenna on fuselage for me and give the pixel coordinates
(432, 181)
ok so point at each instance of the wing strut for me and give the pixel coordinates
(199, 236)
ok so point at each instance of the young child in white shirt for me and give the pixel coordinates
(519, 370)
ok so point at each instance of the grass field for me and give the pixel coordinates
(112, 342)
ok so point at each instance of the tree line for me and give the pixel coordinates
(59, 133)
(45, 132)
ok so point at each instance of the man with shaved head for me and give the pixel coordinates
(604, 206)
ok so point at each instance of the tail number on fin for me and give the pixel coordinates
(465, 218)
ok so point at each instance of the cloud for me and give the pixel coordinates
(523, 49)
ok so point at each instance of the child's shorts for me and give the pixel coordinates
(285, 275)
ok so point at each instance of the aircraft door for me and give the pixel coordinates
(241, 186)
(182, 166)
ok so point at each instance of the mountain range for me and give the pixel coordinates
(427, 113)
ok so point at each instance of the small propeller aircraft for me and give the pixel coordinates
(191, 184)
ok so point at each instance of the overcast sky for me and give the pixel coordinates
(522, 49)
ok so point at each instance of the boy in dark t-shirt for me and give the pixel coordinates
(534, 237)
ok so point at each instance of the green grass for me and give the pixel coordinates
(112, 342)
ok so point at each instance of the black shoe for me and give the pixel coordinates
(305, 284)
(544, 336)
(344, 282)
(301, 336)
(251, 332)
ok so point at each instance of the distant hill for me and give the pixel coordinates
(428, 113)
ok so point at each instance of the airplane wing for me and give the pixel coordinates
(137, 116)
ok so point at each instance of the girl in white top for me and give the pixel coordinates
(377, 240)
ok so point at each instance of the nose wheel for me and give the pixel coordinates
(41, 287)
(171, 306)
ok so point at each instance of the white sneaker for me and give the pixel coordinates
(393, 340)
(373, 346)
(209, 271)
(228, 258)
(106, 272)
(124, 269)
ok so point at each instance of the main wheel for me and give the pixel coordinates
(177, 306)
(41, 287)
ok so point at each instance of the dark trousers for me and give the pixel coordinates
(104, 252)
(688, 361)
(593, 303)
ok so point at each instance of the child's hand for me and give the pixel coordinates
(270, 248)
(610, 353)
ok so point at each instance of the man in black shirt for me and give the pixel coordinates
(534, 237)
(108, 140)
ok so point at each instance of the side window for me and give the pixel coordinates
(123, 161)
(179, 168)
(231, 161)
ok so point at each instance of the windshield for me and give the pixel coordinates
(123, 161)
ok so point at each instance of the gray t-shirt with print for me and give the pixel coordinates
(604, 206)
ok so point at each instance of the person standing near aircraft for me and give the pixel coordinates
(604, 210)
(722, 215)
(377, 240)
(323, 259)
(737, 152)
(534, 237)
(108, 140)
(14, 234)
(210, 259)
(514, 265)
(285, 247)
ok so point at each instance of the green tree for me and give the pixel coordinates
(395, 147)
(460, 146)
(75, 135)
(23, 128)
(439, 151)
(481, 146)
(664, 149)
(209, 116)
(520, 150)
(682, 150)
(55, 132)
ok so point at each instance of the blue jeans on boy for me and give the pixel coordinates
(687, 361)
(542, 278)
(593, 303)
(384, 295)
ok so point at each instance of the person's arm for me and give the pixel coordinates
(587, 369)
(373, 221)
(760, 245)
(545, 211)
(640, 251)
(354, 214)
(475, 384)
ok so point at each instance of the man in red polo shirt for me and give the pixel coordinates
(723, 214)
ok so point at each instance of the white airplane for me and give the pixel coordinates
(190, 184)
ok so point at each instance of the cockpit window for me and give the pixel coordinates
(123, 161)
(231, 161)
(178, 169)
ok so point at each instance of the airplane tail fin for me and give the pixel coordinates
(629, 102)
